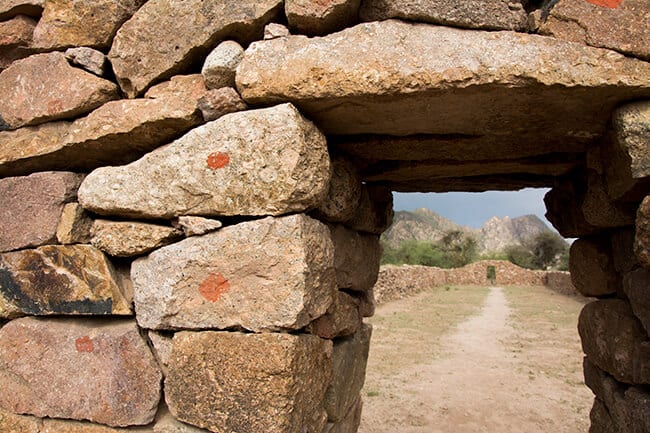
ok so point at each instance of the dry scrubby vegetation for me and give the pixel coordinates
(457, 249)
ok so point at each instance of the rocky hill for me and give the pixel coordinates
(495, 235)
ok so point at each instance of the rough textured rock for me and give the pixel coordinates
(623, 250)
(162, 348)
(11, 8)
(274, 30)
(350, 424)
(343, 318)
(636, 285)
(196, 226)
(16, 32)
(31, 207)
(166, 423)
(260, 162)
(344, 192)
(269, 274)
(219, 102)
(128, 239)
(56, 279)
(350, 357)
(13, 423)
(642, 236)
(600, 210)
(68, 23)
(564, 207)
(116, 133)
(147, 47)
(319, 17)
(356, 258)
(216, 381)
(44, 87)
(618, 408)
(623, 27)
(367, 305)
(592, 267)
(66, 426)
(627, 156)
(614, 340)
(478, 14)
(74, 225)
(126, 393)
(375, 211)
(88, 58)
(220, 65)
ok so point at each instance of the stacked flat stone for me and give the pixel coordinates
(213, 238)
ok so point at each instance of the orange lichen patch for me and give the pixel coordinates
(213, 287)
(84, 344)
(218, 160)
(606, 3)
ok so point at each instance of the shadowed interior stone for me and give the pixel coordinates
(636, 285)
(269, 161)
(319, 17)
(481, 14)
(129, 238)
(343, 318)
(228, 381)
(271, 274)
(44, 87)
(57, 279)
(642, 235)
(68, 23)
(614, 340)
(31, 207)
(11, 8)
(351, 422)
(147, 48)
(356, 258)
(564, 207)
(126, 392)
(344, 193)
(375, 212)
(592, 267)
(74, 225)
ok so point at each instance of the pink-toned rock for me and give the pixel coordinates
(343, 318)
(74, 225)
(67, 426)
(592, 267)
(70, 23)
(44, 87)
(622, 27)
(31, 207)
(116, 133)
(219, 102)
(129, 238)
(614, 340)
(344, 193)
(57, 279)
(162, 348)
(481, 14)
(319, 17)
(356, 258)
(271, 274)
(196, 226)
(147, 48)
(228, 381)
(642, 236)
(11, 8)
(84, 370)
(275, 30)
(16, 32)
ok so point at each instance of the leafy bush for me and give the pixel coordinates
(456, 249)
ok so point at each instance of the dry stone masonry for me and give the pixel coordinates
(192, 193)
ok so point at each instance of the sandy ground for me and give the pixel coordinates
(500, 369)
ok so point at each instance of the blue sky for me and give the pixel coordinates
(473, 209)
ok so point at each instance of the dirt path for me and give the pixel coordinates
(476, 385)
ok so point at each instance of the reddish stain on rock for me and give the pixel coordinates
(84, 344)
(214, 286)
(612, 4)
(218, 160)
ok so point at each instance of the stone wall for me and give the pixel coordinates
(397, 282)
(191, 193)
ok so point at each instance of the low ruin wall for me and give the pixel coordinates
(398, 282)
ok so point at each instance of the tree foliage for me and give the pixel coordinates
(455, 249)
(544, 251)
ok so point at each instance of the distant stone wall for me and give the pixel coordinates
(397, 282)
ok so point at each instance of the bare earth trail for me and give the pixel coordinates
(481, 382)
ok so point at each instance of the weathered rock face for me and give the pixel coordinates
(90, 59)
(11, 8)
(614, 340)
(16, 32)
(477, 14)
(592, 267)
(196, 226)
(74, 225)
(67, 23)
(10, 422)
(642, 236)
(262, 162)
(344, 192)
(147, 48)
(375, 211)
(219, 102)
(600, 210)
(217, 381)
(125, 393)
(116, 133)
(319, 17)
(564, 207)
(166, 423)
(220, 65)
(636, 285)
(55, 279)
(623, 27)
(350, 424)
(343, 318)
(66, 426)
(31, 206)
(350, 357)
(44, 87)
(128, 239)
(269, 274)
(356, 258)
